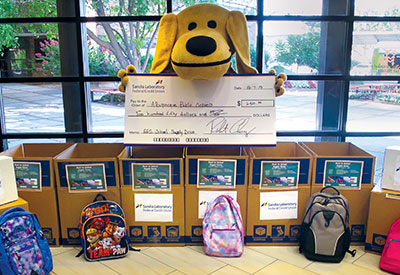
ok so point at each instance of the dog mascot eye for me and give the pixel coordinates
(212, 24)
(192, 26)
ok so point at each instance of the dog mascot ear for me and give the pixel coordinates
(236, 27)
(165, 42)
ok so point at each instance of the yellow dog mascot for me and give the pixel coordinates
(199, 42)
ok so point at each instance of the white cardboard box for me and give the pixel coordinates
(391, 168)
(8, 186)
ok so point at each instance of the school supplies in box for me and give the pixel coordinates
(390, 259)
(325, 234)
(223, 228)
(103, 230)
(23, 247)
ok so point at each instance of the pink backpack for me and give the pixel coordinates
(223, 228)
(390, 259)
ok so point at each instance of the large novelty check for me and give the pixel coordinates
(167, 110)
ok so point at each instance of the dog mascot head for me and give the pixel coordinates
(199, 42)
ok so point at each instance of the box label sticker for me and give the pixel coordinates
(172, 233)
(153, 207)
(294, 231)
(378, 242)
(197, 233)
(151, 176)
(344, 174)
(278, 205)
(154, 233)
(284, 174)
(207, 197)
(260, 232)
(277, 232)
(357, 233)
(136, 232)
(216, 173)
(28, 175)
(86, 177)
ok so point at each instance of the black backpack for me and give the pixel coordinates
(325, 234)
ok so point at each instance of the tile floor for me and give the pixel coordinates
(191, 260)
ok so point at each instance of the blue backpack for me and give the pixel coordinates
(23, 247)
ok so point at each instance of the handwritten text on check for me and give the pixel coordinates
(233, 110)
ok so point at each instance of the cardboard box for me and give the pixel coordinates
(381, 216)
(278, 175)
(202, 185)
(341, 164)
(391, 169)
(36, 162)
(18, 203)
(334, 161)
(152, 194)
(8, 188)
(83, 171)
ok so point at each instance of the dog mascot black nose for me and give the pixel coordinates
(201, 45)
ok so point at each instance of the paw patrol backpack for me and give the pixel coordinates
(103, 230)
(223, 228)
(390, 259)
(325, 234)
(23, 247)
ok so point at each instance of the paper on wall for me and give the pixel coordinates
(207, 197)
(153, 207)
(278, 205)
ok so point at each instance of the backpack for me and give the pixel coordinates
(103, 230)
(390, 259)
(223, 228)
(23, 247)
(324, 233)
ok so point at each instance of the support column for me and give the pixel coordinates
(332, 61)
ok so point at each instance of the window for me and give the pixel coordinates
(58, 66)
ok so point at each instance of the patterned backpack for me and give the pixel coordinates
(390, 259)
(23, 247)
(103, 230)
(223, 228)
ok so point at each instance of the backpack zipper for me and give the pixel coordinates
(397, 241)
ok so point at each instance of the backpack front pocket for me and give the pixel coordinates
(225, 241)
(26, 258)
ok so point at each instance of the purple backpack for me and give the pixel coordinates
(223, 228)
(23, 247)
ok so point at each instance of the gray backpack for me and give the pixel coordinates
(325, 233)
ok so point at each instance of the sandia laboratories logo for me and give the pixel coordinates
(203, 203)
(157, 87)
(154, 207)
(280, 205)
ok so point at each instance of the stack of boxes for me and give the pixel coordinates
(385, 200)
(164, 191)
